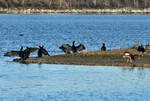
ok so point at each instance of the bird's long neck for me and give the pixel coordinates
(21, 49)
(73, 44)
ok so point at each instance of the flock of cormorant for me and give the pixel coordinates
(24, 54)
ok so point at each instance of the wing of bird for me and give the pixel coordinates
(11, 53)
(16, 53)
(32, 49)
(45, 52)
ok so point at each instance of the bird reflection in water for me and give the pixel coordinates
(130, 68)
(139, 71)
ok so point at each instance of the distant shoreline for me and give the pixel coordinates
(75, 11)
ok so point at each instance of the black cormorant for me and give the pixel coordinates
(103, 48)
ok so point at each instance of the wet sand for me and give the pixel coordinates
(95, 58)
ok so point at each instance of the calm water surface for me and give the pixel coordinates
(20, 82)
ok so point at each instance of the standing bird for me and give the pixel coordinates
(42, 51)
(103, 48)
(141, 50)
(21, 53)
(74, 49)
(67, 48)
(27, 52)
(129, 57)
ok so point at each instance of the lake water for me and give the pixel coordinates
(20, 82)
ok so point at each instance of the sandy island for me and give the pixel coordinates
(95, 58)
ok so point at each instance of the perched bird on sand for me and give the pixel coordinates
(68, 49)
(42, 51)
(74, 49)
(103, 48)
(141, 49)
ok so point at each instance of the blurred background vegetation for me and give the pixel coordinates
(74, 4)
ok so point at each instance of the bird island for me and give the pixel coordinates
(95, 58)
(137, 56)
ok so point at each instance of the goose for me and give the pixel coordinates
(129, 57)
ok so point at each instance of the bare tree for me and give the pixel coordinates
(59, 4)
(50, 2)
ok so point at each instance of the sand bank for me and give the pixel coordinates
(96, 58)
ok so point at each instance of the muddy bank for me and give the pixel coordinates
(97, 58)
(76, 11)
